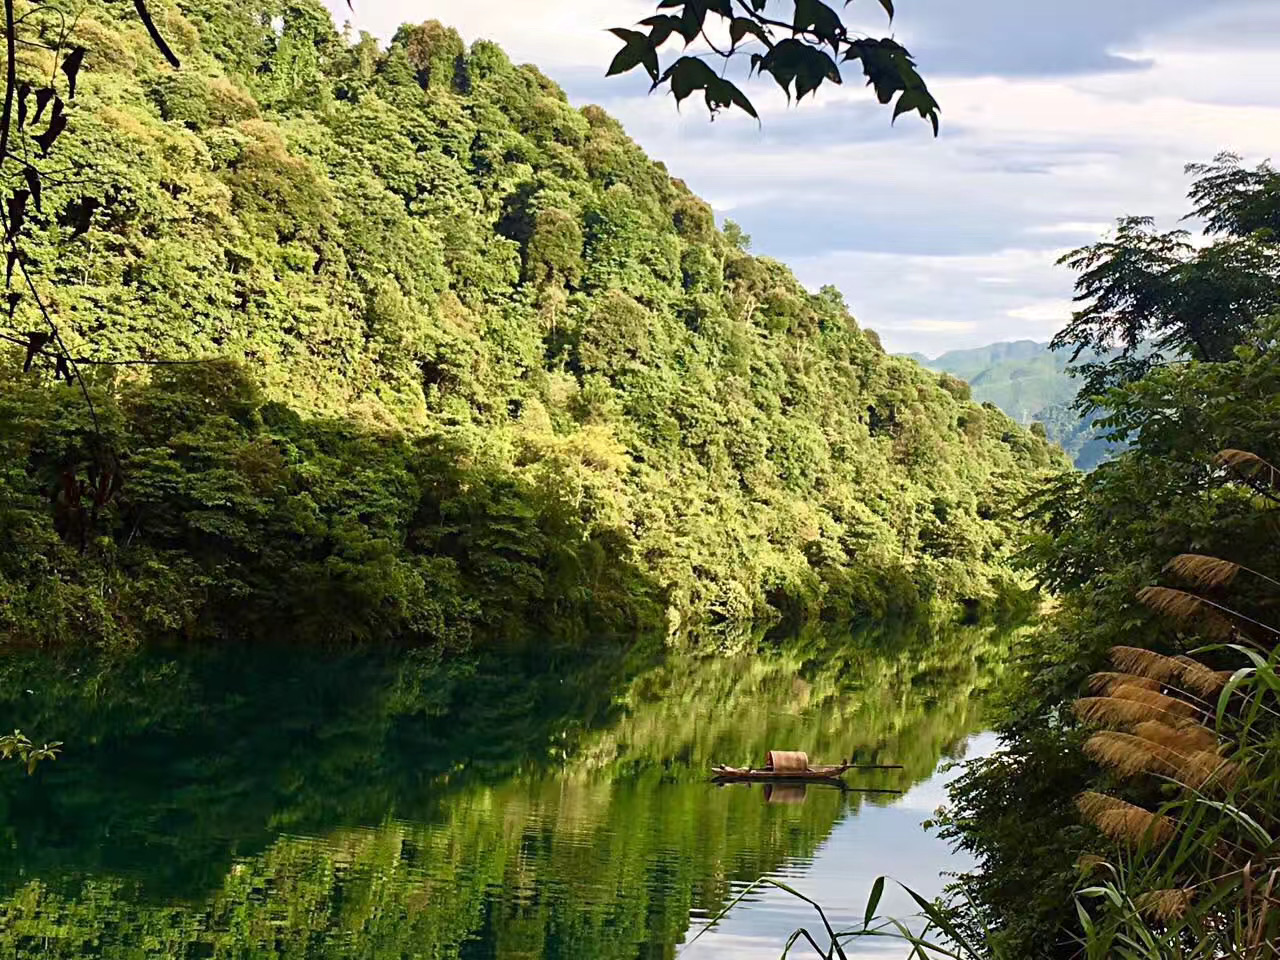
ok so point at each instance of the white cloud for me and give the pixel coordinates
(1090, 228)
(932, 304)
(1052, 313)
(933, 325)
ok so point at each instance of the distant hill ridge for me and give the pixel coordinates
(1030, 383)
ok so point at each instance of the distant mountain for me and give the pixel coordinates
(1029, 382)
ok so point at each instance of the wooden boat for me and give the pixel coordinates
(792, 766)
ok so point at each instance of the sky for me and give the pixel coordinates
(1058, 116)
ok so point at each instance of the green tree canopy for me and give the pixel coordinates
(1150, 297)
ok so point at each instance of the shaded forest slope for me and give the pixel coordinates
(480, 361)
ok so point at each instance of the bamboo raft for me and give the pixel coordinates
(792, 766)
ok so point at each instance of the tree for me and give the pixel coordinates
(793, 52)
(1187, 366)
(1151, 297)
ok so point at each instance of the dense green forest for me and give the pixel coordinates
(467, 359)
(1030, 383)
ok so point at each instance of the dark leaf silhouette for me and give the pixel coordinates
(24, 91)
(84, 216)
(804, 46)
(17, 206)
(56, 126)
(10, 259)
(71, 67)
(62, 370)
(33, 184)
(36, 339)
(689, 74)
(145, 16)
(43, 96)
(14, 297)
(638, 50)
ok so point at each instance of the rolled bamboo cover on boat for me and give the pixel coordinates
(786, 760)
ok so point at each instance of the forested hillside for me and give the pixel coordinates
(1030, 383)
(467, 358)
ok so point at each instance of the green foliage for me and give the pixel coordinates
(18, 745)
(1103, 538)
(793, 53)
(1030, 383)
(1151, 297)
(490, 361)
(240, 519)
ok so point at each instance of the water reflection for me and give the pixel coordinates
(544, 803)
(879, 840)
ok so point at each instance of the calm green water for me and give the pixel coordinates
(541, 804)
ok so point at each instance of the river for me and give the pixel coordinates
(548, 803)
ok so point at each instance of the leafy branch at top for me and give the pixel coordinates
(800, 55)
